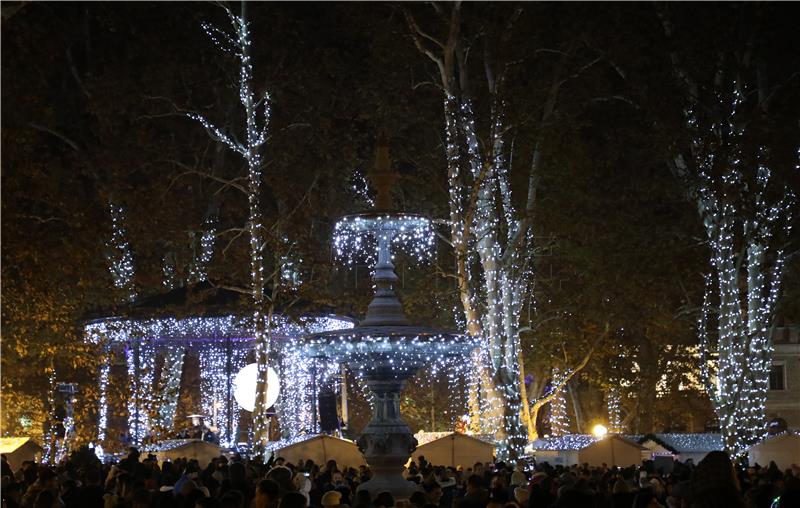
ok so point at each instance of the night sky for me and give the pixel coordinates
(94, 97)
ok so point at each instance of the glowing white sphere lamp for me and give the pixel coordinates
(599, 431)
(244, 387)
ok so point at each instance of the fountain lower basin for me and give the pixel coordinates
(386, 357)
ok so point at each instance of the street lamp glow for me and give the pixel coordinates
(599, 431)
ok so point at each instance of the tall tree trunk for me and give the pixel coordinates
(250, 151)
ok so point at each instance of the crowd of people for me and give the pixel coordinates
(82, 481)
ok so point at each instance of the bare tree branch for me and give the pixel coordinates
(539, 402)
(74, 72)
(193, 171)
(41, 220)
(237, 289)
(55, 133)
(416, 35)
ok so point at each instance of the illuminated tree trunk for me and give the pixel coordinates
(559, 419)
(745, 230)
(490, 239)
(747, 218)
(170, 385)
(238, 42)
(746, 298)
(557, 386)
(613, 409)
(121, 268)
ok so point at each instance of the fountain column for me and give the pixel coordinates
(386, 441)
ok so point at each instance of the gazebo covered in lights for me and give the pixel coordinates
(149, 343)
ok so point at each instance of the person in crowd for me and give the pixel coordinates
(238, 482)
(383, 500)
(331, 499)
(5, 467)
(267, 494)
(476, 495)
(715, 483)
(12, 494)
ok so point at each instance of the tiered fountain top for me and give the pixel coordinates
(385, 340)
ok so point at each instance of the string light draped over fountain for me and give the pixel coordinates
(386, 349)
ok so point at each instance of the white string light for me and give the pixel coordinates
(238, 43)
(360, 188)
(198, 271)
(120, 264)
(613, 410)
(119, 256)
(494, 252)
(208, 335)
(559, 419)
(565, 442)
(140, 359)
(169, 386)
(738, 216)
(355, 237)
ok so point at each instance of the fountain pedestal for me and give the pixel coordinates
(386, 441)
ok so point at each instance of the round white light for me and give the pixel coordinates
(244, 387)
(599, 430)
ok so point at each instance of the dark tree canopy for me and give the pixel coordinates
(93, 98)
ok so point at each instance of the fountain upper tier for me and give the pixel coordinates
(386, 340)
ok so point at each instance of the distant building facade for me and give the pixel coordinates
(783, 398)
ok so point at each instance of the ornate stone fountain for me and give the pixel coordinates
(385, 347)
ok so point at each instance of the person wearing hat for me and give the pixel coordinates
(331, 499)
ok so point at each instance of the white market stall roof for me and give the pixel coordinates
(19, 449)
(11, 444)
(583, 448)
(423, 437)
(567, 442)
(320, 448)
(613, 450)
(172, 449)
(783, 449)
(454, 449)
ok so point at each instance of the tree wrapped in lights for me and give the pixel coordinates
(613, 401)
(491, 233)
(491, 240)
(169, 387)
(119, 255)
(238, 42)
(729, 166)
(559, 419)
(198, 271)
(140, 376)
